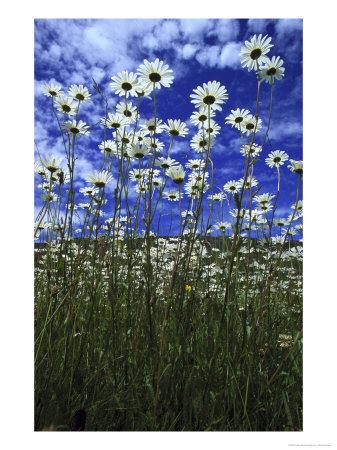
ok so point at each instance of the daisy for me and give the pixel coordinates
(165, 163)
(276, 158)
(126, 138)
(216, 197)
(195, 164)
(155, 74)
(149, 126)
(154, 144)
(253, 149)
(138, 151)
(127, 110)
(214, 127)
(250, 182)
(176, 128)
(280, 222)
(296, 166)
(237, 116)
(299, 205)
(108, 147)
(99, 179)
(138, 174)
(52, 90)
(272, 69)
(114, 121)
(140, 135)
(265, 207)
(172, 195)
(143, 91)
(223, 226)
(198, 176)
(50, 163)
(140, 188)
(79, 93)
(210, 94)
(76, 128)
(264, 198)
(89, 190)
(199, 117)
(49, 197)
(125, 84)
(255, 51)
(156, 182)
(232, 187)
(249, 123)
(200, 143)
(176, 173)
(65, 105)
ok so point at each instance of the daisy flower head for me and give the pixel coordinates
(154, 144)
(76, 128)
(155, 74)
(195, 164)
(176, 173)
(276, 158)
(213, 128)
(296, 166)
(249, 123)
(108, 147)
(172, 195)
(65, 105)
(280, 222)
(200, 116)
(236, 117)
(127, 110)
(165, 163)
(152, 125)
(272, 69)
(211, 95)
(143, 90)
(114, 121)
(216, 197)
(89, 190)
(253, 150)
(222, 226)
(125, 138)
(99, 179)
(250, 182)
(201, 143)
(138, 150)
(254, 52)
(264, 198)
(52, 90)
(50, 163)
(79, 93)
(176, 128)
(125, 84)
(232, 187)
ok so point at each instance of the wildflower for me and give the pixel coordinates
(52, 90)
(177, 174)
(201, 143)
(154, 144)
(176, 128)
(76, 128)
(65, 105)
(188, 288)
(155, 74)
(264, 198)
(296, 166)
(200, 116)
(249, 124)
(276, 158)
(280, 222)
(195, 164)
(272, 69)
(114, 121)
(285, 340)
(165, 163)
(138, 151)
(50, 163)
(172, 195)
(232, 187)
(127, 110)
(89, 190)
(216, 197)
(252, 149)
(299, 205)
(152, 125)
(99, 179)
(236, 117)
(108, 147)
(125, 84)
(222, 226)
(80, 93)
(211, 94)
(255, 51)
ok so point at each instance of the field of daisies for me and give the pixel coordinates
(148, 320)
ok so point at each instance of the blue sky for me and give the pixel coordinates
(197, 50)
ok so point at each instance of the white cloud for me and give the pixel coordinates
(258, 25)
(226, 30)
(229, 56)
(188, 51)
(209, 55)
(192, 28)
(285, 26)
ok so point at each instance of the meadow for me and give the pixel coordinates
(152, 321)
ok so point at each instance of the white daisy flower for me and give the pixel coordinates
(155, 74)
(99, 179)
(272, 69)
(176, 128)
(125, 84)
(79, 93)
(176, 173)
(276, 158)
(52, 90)
(210, 94)
(254, 52)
